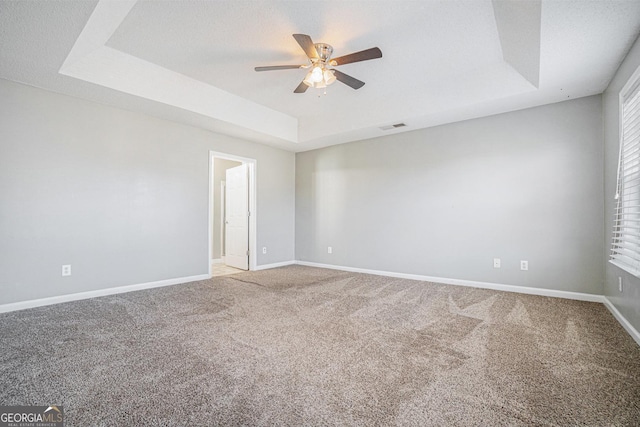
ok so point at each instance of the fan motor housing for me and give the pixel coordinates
(324, 51)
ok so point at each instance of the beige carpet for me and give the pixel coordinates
(304, 346)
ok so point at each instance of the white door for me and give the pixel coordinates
(237, 218)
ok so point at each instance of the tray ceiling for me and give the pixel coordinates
(192, 61)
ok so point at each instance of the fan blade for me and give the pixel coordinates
(302, 88)
(278, 67)
(348, 80)
(363, 55)
(307, 45)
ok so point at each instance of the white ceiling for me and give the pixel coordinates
(192, 61)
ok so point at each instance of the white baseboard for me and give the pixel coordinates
(217, 261)
(21, 305)
(484, 285)
(622, 320)
(274, 265)
(499, 287)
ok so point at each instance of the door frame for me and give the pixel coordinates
(252, 166)
(223, 195)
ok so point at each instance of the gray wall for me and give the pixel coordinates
(627, 302)
(121, 196)
(220, 167)
(445, 201)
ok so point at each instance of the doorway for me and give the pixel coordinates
(219, 238)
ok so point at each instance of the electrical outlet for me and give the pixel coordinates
(66, 270)
(524, 265)
(264, 249)
(329, 250)
(496, 263)
(620, 284)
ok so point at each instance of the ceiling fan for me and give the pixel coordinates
(320, 61)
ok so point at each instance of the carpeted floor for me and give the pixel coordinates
(305, 346)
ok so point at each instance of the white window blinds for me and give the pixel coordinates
(625, 247)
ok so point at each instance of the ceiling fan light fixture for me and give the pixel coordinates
(319, 55)
(307, 80)
(329, 76)
(319, 77)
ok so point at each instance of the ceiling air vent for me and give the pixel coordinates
(389, 127)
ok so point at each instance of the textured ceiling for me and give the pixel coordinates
(192, 61)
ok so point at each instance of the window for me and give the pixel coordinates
(625, 247)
